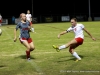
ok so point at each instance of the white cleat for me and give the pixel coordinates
(28, 59)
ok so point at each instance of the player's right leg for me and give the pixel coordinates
(58, 48)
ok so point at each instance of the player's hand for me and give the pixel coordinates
(59, 36)
(15, 39)
(29, 27)
(93, 39)
(32, 29)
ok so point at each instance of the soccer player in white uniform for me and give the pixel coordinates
(78, 40)
(29, 18)
(0, 19)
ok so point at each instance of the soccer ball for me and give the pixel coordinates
(0, 31)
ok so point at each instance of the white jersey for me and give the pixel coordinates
(28, 17)
(0, 17)
(78, 30)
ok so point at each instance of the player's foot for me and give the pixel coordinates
(55, 47)
(28, 59)
(78, 60)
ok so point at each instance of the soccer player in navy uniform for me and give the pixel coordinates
(24, 38)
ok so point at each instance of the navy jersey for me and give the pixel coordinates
(24, 29)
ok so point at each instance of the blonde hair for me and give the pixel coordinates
(21, 14)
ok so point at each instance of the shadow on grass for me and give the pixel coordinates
(24, 57)
(69, 59)
(66, 60)
(2, 66)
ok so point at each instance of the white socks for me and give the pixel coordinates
(76, 56)
(62, 47)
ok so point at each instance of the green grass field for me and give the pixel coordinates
(44, 59)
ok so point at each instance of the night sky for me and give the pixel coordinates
(47, 7)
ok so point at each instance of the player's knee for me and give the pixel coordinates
(33, 48)
(28, 47)
(71, 50)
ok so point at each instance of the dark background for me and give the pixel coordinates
(9, 8)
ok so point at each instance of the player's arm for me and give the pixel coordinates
(15, 36)
(15, 33)
(64, 32)
(89, 34)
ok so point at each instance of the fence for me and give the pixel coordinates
(59, 18)
(65, 18)
(48, 19)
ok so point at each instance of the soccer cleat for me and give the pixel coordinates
(78, 60)
(28, 59)
(55, 47)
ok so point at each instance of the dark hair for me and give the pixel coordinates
(75, 19)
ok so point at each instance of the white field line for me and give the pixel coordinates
(31, 62)
(39, 53)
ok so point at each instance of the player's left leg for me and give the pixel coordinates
(32, 47)
(72, 51)
(58, 48)
(31, 44)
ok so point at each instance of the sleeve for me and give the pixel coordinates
(31, 15)
(69, 29)
(17, 26)
(82, 26)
